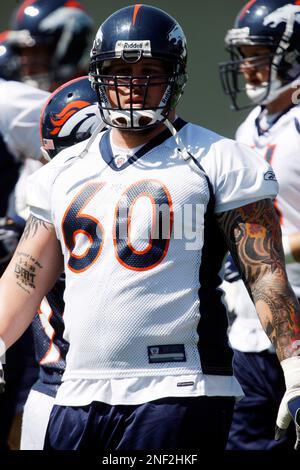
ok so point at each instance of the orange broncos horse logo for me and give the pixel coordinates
(59, 119)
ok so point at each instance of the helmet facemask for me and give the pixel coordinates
(47, 62)
(128, 37)
(52, 40)
(36, 66)
(136, 116)
(276, 28)
(245, 95)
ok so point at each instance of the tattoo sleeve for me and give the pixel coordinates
(253, 237)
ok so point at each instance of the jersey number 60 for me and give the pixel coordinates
(75, 222)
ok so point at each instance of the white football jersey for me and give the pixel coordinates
(279, 145)
(20, 108)
(143, 255)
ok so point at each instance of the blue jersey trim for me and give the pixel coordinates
(45, 388)
(108, 156)
(214, 350)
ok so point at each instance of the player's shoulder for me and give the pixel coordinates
(220, 156)
(11, 90)
(293, 116)
(77, 152)
(204, 142)
(199, 140)
(64, 160)
(249, 122)
(195, 133)
(294, 110)
(17, 99)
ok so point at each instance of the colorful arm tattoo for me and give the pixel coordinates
(253, 237)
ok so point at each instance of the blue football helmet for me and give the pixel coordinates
(69, 116)
(9, 61)
(53, 40)
(276, 25)
(130, 34)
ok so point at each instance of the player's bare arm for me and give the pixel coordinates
(34, 268)
(294, 242)
(253, 236)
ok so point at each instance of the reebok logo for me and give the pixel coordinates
(270, 176)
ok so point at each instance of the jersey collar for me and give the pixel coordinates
(107, 153)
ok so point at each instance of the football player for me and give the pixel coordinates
(69, 116)
(263, 72)
(49, 41)
(20, 106)
(141, 222)
(9, 166)
(52, 40)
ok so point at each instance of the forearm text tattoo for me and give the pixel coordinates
(26, 268)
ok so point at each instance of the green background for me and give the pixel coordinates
(205, 24)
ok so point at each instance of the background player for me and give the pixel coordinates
(52, 39)
(264, 46)
(37, 29)
(20, 106)
(69, 116)
(9, 166)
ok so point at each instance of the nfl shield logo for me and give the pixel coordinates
(120, 160)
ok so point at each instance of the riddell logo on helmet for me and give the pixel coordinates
(145, 46)
(133, 45)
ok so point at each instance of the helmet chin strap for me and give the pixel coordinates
(276, 90)
(126, 119)
(98, 129)
(45, 154)
(136, 118)
(256, 93)
(188, 158)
